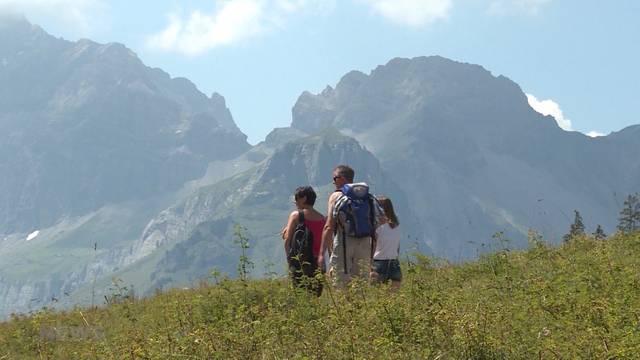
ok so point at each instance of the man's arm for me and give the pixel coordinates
(329, 226)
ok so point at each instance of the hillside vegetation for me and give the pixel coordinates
(580, 300)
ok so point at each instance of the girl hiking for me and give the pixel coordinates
(385, 258)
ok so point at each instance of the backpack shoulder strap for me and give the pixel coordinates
(300, 217)
(340, 201)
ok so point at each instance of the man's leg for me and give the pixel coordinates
(336, 265)
(361, 255)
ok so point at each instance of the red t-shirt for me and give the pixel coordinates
(316, 227)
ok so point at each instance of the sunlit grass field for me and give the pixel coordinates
(580, 300)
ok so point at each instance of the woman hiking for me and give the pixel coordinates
(304, 219)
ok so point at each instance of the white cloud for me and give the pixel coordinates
(414, 13)
(594, 134)
(230, 22)
(506, 7)
(550, 107)
(291, 6)
(81, 15)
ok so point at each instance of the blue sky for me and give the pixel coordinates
(578, 60)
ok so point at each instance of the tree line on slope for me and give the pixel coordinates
(628, 220)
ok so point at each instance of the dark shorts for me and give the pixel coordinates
(387, 270)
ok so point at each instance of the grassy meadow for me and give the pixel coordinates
(579, 300)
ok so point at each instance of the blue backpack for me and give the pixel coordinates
(357, 206)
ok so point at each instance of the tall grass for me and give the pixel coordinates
(581, 300)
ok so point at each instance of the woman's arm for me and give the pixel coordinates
(287, 234)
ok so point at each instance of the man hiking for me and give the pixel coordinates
(352, 217)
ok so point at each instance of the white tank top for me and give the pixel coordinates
(388, 243)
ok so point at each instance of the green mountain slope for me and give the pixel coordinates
(73, 252)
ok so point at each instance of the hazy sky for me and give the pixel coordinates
(577, 60)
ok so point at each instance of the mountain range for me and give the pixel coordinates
(112, 169)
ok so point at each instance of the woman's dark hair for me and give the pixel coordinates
(387, 206)
(307, 193)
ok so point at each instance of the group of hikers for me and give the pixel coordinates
(360, 233)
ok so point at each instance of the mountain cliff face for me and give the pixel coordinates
(85, 124)
(474, 155)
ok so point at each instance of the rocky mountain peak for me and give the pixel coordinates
(310, 160)
(218, 99)
(19, 38)
(421, 84)
(95, 114)
(18, 26)
(351, 81)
